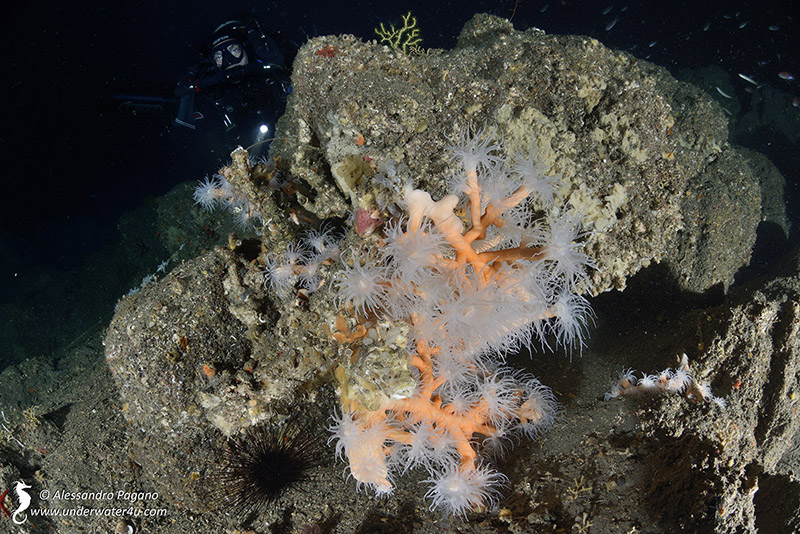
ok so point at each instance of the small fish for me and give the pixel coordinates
(652, 44)
(796, 102)
(785, 75)
(607, 10)
(774, 27)
(544, 8)
(611, 24)
(748, 79)
(743, 24)
(723, 93)
(707, 26)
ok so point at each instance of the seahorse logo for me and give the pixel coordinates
(24, 500)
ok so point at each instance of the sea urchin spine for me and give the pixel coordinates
(264, 461)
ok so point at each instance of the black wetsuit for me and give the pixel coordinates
(265, 61)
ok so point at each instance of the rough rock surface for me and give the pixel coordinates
(198, 356)
(645, 158)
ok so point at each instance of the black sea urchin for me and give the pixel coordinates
(264, 461)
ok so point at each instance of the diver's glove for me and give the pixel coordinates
(187, 84)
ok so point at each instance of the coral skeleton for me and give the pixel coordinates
(449, 291)
(219, 191)
(300, 263)
(679, 381)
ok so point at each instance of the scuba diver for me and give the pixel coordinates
(244, 73)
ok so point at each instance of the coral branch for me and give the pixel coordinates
(463, 309)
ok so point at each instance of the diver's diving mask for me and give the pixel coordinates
(228, 53)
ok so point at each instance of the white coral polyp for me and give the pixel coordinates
(362, 286)
(458, 490)
(368, 466)
(363, 445)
